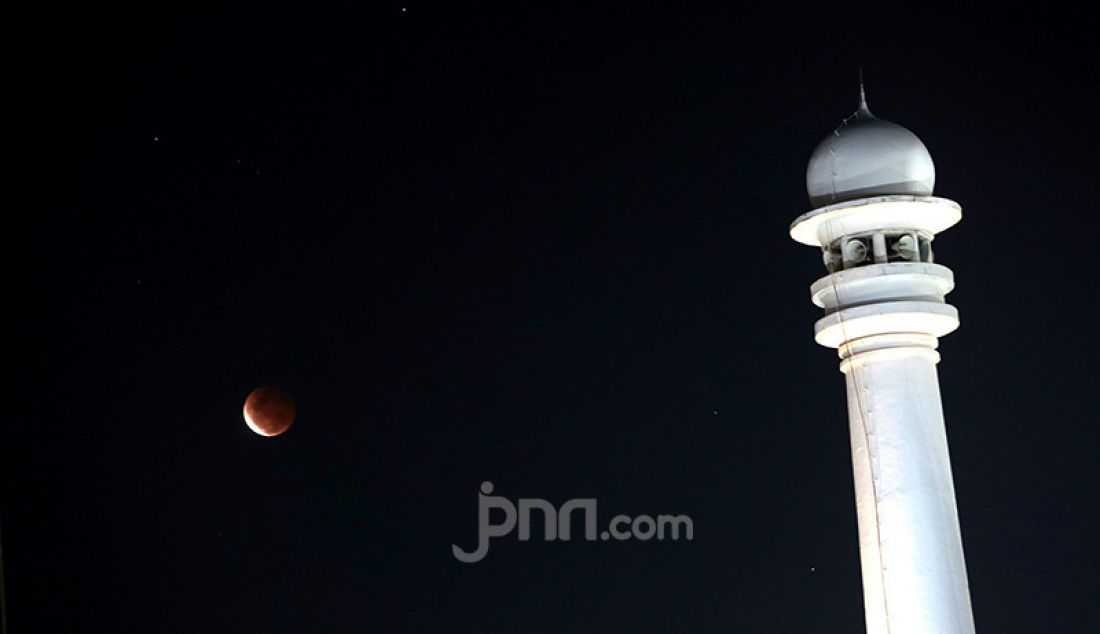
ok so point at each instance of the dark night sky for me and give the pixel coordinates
(547, 249)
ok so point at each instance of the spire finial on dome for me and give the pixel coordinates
(863, 109)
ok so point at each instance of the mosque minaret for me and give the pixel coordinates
(874, 219)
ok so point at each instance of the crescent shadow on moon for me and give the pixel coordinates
(254, 427)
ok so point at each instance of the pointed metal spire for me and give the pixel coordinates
(863, 110)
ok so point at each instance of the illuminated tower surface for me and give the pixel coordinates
(874, 218)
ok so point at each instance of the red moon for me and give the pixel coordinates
(269, 411)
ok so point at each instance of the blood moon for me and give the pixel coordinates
(269, 411)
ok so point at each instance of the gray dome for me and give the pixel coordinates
(865, 157)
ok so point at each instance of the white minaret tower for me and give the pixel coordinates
(874, 218)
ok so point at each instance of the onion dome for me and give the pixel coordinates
(867, 156)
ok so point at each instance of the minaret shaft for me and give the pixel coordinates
(914, 575)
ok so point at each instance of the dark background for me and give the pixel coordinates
(544, 247)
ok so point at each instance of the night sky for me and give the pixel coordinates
(542, 247)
